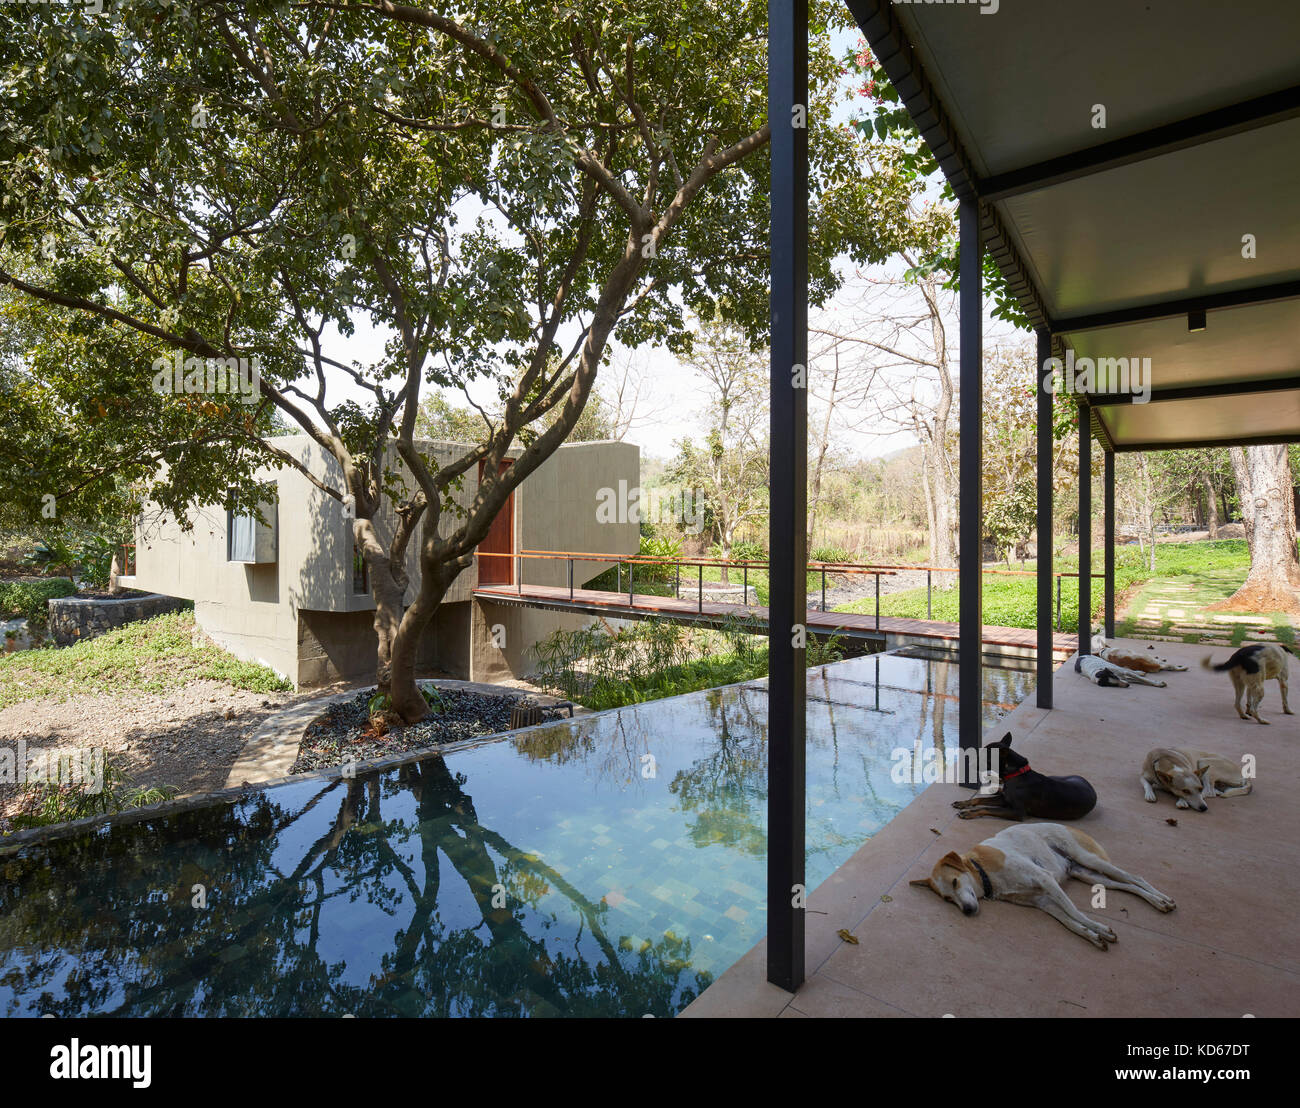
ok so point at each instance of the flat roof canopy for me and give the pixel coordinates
(1114, 237)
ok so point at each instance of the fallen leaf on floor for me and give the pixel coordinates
(886, 897)
(936, 830)
(844, 934)
(1172, 822)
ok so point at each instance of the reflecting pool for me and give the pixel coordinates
(613, 865)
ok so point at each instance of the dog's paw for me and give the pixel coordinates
(1181, 803)
(1165, 904)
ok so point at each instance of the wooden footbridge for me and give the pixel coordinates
(627, 603)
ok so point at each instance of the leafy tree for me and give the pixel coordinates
(504, 192)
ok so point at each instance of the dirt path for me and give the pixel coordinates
(186, 739)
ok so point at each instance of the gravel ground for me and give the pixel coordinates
(345, 732)
(187, 738)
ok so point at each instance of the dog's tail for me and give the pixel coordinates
(1207, 663)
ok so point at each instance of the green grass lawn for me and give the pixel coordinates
(1218, 567)
(154, 655)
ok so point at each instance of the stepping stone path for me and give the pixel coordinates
(1167, 611)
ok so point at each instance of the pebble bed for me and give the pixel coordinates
(344, 734)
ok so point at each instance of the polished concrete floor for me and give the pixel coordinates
(1231, 948)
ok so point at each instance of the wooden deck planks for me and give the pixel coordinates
(616, 603)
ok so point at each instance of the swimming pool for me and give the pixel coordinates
(609, 866)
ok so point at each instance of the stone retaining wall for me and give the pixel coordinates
(74, 618)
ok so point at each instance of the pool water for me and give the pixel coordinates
(613, 865)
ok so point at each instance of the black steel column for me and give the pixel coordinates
(787, 97)
(1085, 529)
(969, 561)
(1108, 496)
(1045, 442)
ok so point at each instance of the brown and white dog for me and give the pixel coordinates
(1143, 661)
(1026, 864)
(1193, 776)
(1249, 668)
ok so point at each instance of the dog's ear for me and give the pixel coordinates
(1165, 777)
(922, 884)
(952, 858)
(1004, 741)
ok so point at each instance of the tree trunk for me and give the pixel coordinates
(1211, 507)
(1273, 584)
(942, 548)
(815, 499)
(1241, 473)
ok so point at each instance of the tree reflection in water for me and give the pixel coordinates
(295, 904)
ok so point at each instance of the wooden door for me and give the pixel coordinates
(500, 539)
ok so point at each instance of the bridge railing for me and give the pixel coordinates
(743, 566)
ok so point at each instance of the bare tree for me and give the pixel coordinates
(733, 466)
(837, 372)
(624, 390)
(905, 326)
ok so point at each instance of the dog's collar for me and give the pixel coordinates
(984, 877)
(1022, 769)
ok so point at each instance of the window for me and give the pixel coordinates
(248, 540)
(241, 534)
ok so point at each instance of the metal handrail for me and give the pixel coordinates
(745, 565)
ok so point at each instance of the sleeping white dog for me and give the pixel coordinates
(1110, 675)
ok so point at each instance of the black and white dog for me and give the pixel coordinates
(1110, 675)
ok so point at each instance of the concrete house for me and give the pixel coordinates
(291, 593)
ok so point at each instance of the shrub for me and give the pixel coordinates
(664, 546)
(834, 554)
(48, 803)
(745, 551)
(27, 599)
(96, 557)
(608, 669)
(45, 557)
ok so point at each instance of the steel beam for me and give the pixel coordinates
(1108, 498)
(1044, 446)
(787, 97)
(970, 562)
(1196, 392)
(1204, 444)
(1085, 530)
(1209, 302)
(1275, 107)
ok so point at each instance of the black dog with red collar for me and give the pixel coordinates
(1027, 793)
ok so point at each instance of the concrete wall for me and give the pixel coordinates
(560, 509)
(300, 616)
(519, 629)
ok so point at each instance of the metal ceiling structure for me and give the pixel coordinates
(1112, 236)
(1132, 168)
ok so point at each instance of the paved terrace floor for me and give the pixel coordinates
(1231, 947)
(857, 625)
